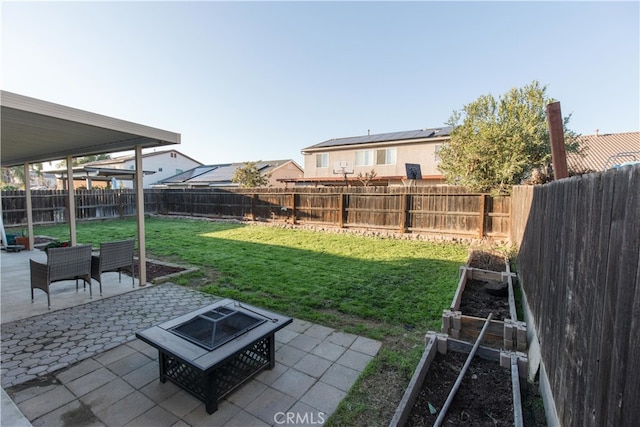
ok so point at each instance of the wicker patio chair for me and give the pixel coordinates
(62, 264)
(114, 256)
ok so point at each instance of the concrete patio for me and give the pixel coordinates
(80, 363)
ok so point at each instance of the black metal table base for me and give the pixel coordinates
(213, 385)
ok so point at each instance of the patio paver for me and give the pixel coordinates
(84, 363)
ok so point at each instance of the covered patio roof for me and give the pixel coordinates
(35, 131)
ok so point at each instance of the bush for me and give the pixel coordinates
(56, 244)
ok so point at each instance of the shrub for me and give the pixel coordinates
(56, 244)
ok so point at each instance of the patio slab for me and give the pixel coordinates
(83, 363)
(16, 290)
(105, 398)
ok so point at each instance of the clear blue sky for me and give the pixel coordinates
(261, 80)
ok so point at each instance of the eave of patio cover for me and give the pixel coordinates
(34, 131)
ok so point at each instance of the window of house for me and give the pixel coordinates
(386, 156)
(159, 169)
(364, 157)
(436, 153)
(322, 160)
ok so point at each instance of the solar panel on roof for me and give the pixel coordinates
(389, 136)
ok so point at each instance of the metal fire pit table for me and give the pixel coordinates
(212, 351)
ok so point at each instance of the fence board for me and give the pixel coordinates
(434, 210)
(631, 395)
(579, 267)
(624, 239)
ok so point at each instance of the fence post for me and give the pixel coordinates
(118, 200)
(253, 206)
(341, 209)
(404, 212)
(293, 208)
(482, 216)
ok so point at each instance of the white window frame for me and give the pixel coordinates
(390, 156)
(364, 158)
(322, 160)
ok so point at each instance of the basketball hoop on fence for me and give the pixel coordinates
(343, 168)
(409, 183)
(413, 173)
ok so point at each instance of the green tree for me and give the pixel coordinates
(497, 143)
(77, 161)
(250, 176)
(13, 175)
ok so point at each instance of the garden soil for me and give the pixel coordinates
(483, 399)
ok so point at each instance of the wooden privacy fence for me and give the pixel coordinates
(438, 210)
(442, 210)
(579, 265)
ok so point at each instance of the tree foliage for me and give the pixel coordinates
(15, 175)
(77, 161)
(497, 143)
(250, 176)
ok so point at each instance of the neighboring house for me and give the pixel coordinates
(89, 177)
(604, 151)
(397, 158)
(161, 164)
(280, 172)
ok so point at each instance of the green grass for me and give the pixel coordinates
(387, 289)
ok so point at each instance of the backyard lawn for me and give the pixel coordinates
(386, 289)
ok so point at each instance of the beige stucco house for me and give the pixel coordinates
(396, 158)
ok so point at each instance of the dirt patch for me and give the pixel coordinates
(483, 399)
(156, 270)
(487, 261)
(477, 302)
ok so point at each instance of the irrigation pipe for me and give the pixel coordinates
(456, 386)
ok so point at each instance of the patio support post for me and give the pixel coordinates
(72, 202)
(139, 186)
(28, 204)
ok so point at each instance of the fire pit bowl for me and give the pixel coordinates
(212, 351)
(214, 328)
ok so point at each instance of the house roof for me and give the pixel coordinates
(217, 175)
(132, 157)
(100, 174)
(35, 131)
(604, 151)
(410, 135)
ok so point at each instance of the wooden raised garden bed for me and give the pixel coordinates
(489, 391)
(479, 293)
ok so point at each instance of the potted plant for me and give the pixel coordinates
(23, 240)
